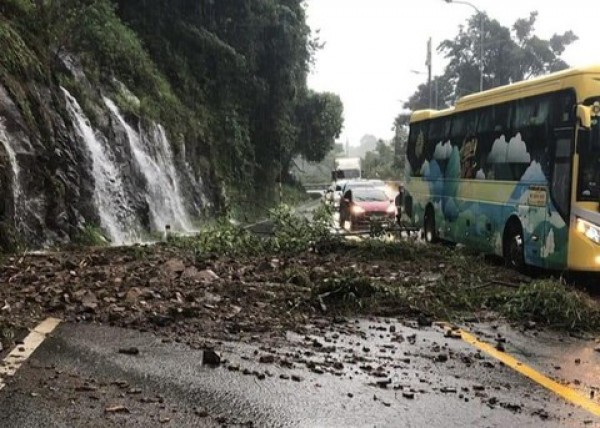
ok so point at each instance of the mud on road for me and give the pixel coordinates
(174, 292)
(301, 319)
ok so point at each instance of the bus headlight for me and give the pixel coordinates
(591, 231)
(357, 209)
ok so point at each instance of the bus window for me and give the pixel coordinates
(464, 137)
(564, 110)
(493, 132)
(561, 172)
(439, 131)
(501, 121)
(532, 126)
(464, 125)
(439, 147)
(416, 147)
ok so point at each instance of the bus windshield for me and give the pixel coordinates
(589, 174)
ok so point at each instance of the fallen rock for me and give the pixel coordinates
(174, 266)
(206, 276)
(129, 351)
(116, 409)
(133, 295)
(267, 359)
(211, 357)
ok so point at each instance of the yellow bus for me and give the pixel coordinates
(513, 171)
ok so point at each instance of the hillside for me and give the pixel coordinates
(119, 118)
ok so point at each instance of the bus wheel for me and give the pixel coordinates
(429, 227)
(514, 253)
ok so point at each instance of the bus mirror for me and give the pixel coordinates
(584, 114)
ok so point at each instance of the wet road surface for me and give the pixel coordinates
(356, 373)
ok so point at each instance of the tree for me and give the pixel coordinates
(400, 139)
(379, 163)
(321, 121)
(510, 55)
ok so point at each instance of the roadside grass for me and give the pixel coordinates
(90, 236)
(552, 303)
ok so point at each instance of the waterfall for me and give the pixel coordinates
(155, 162)
(16, 173)
(117, 218)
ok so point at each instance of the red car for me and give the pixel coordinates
(361, 206)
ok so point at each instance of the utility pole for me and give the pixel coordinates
(428, 63)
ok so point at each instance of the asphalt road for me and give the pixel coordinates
(365, 373)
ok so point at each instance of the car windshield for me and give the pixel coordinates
(364, 194)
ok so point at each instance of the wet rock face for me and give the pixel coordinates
(49, 197)
(50, 189)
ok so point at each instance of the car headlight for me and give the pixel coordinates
(391, 209)
(591, 231)
(356, 209)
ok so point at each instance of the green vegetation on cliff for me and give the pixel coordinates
(226, 77)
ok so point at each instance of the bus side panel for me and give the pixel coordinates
(483, 214)
(478, 214)
(416, 200)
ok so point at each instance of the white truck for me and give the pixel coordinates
(346, 169)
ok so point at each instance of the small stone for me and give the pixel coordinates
(86, 388)
(441, 358)
(408, 395)
(453, 334)
(267, 359)
(577, 360)
(164, 420)
(211, 358)
(384, 383)
(117, 409)
(530, 325)
(175, 266)
(297, 378)
(201, 413)
(448, 390)
(392, 328)
(207, 276)
(129, 351)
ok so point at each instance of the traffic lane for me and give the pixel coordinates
(573, 361)
(78, 374)
(428, 362)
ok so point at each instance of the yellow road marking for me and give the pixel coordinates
(565, 392)
(15, 359)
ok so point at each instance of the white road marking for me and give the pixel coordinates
(15, 359)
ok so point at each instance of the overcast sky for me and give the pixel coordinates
(371, 46)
